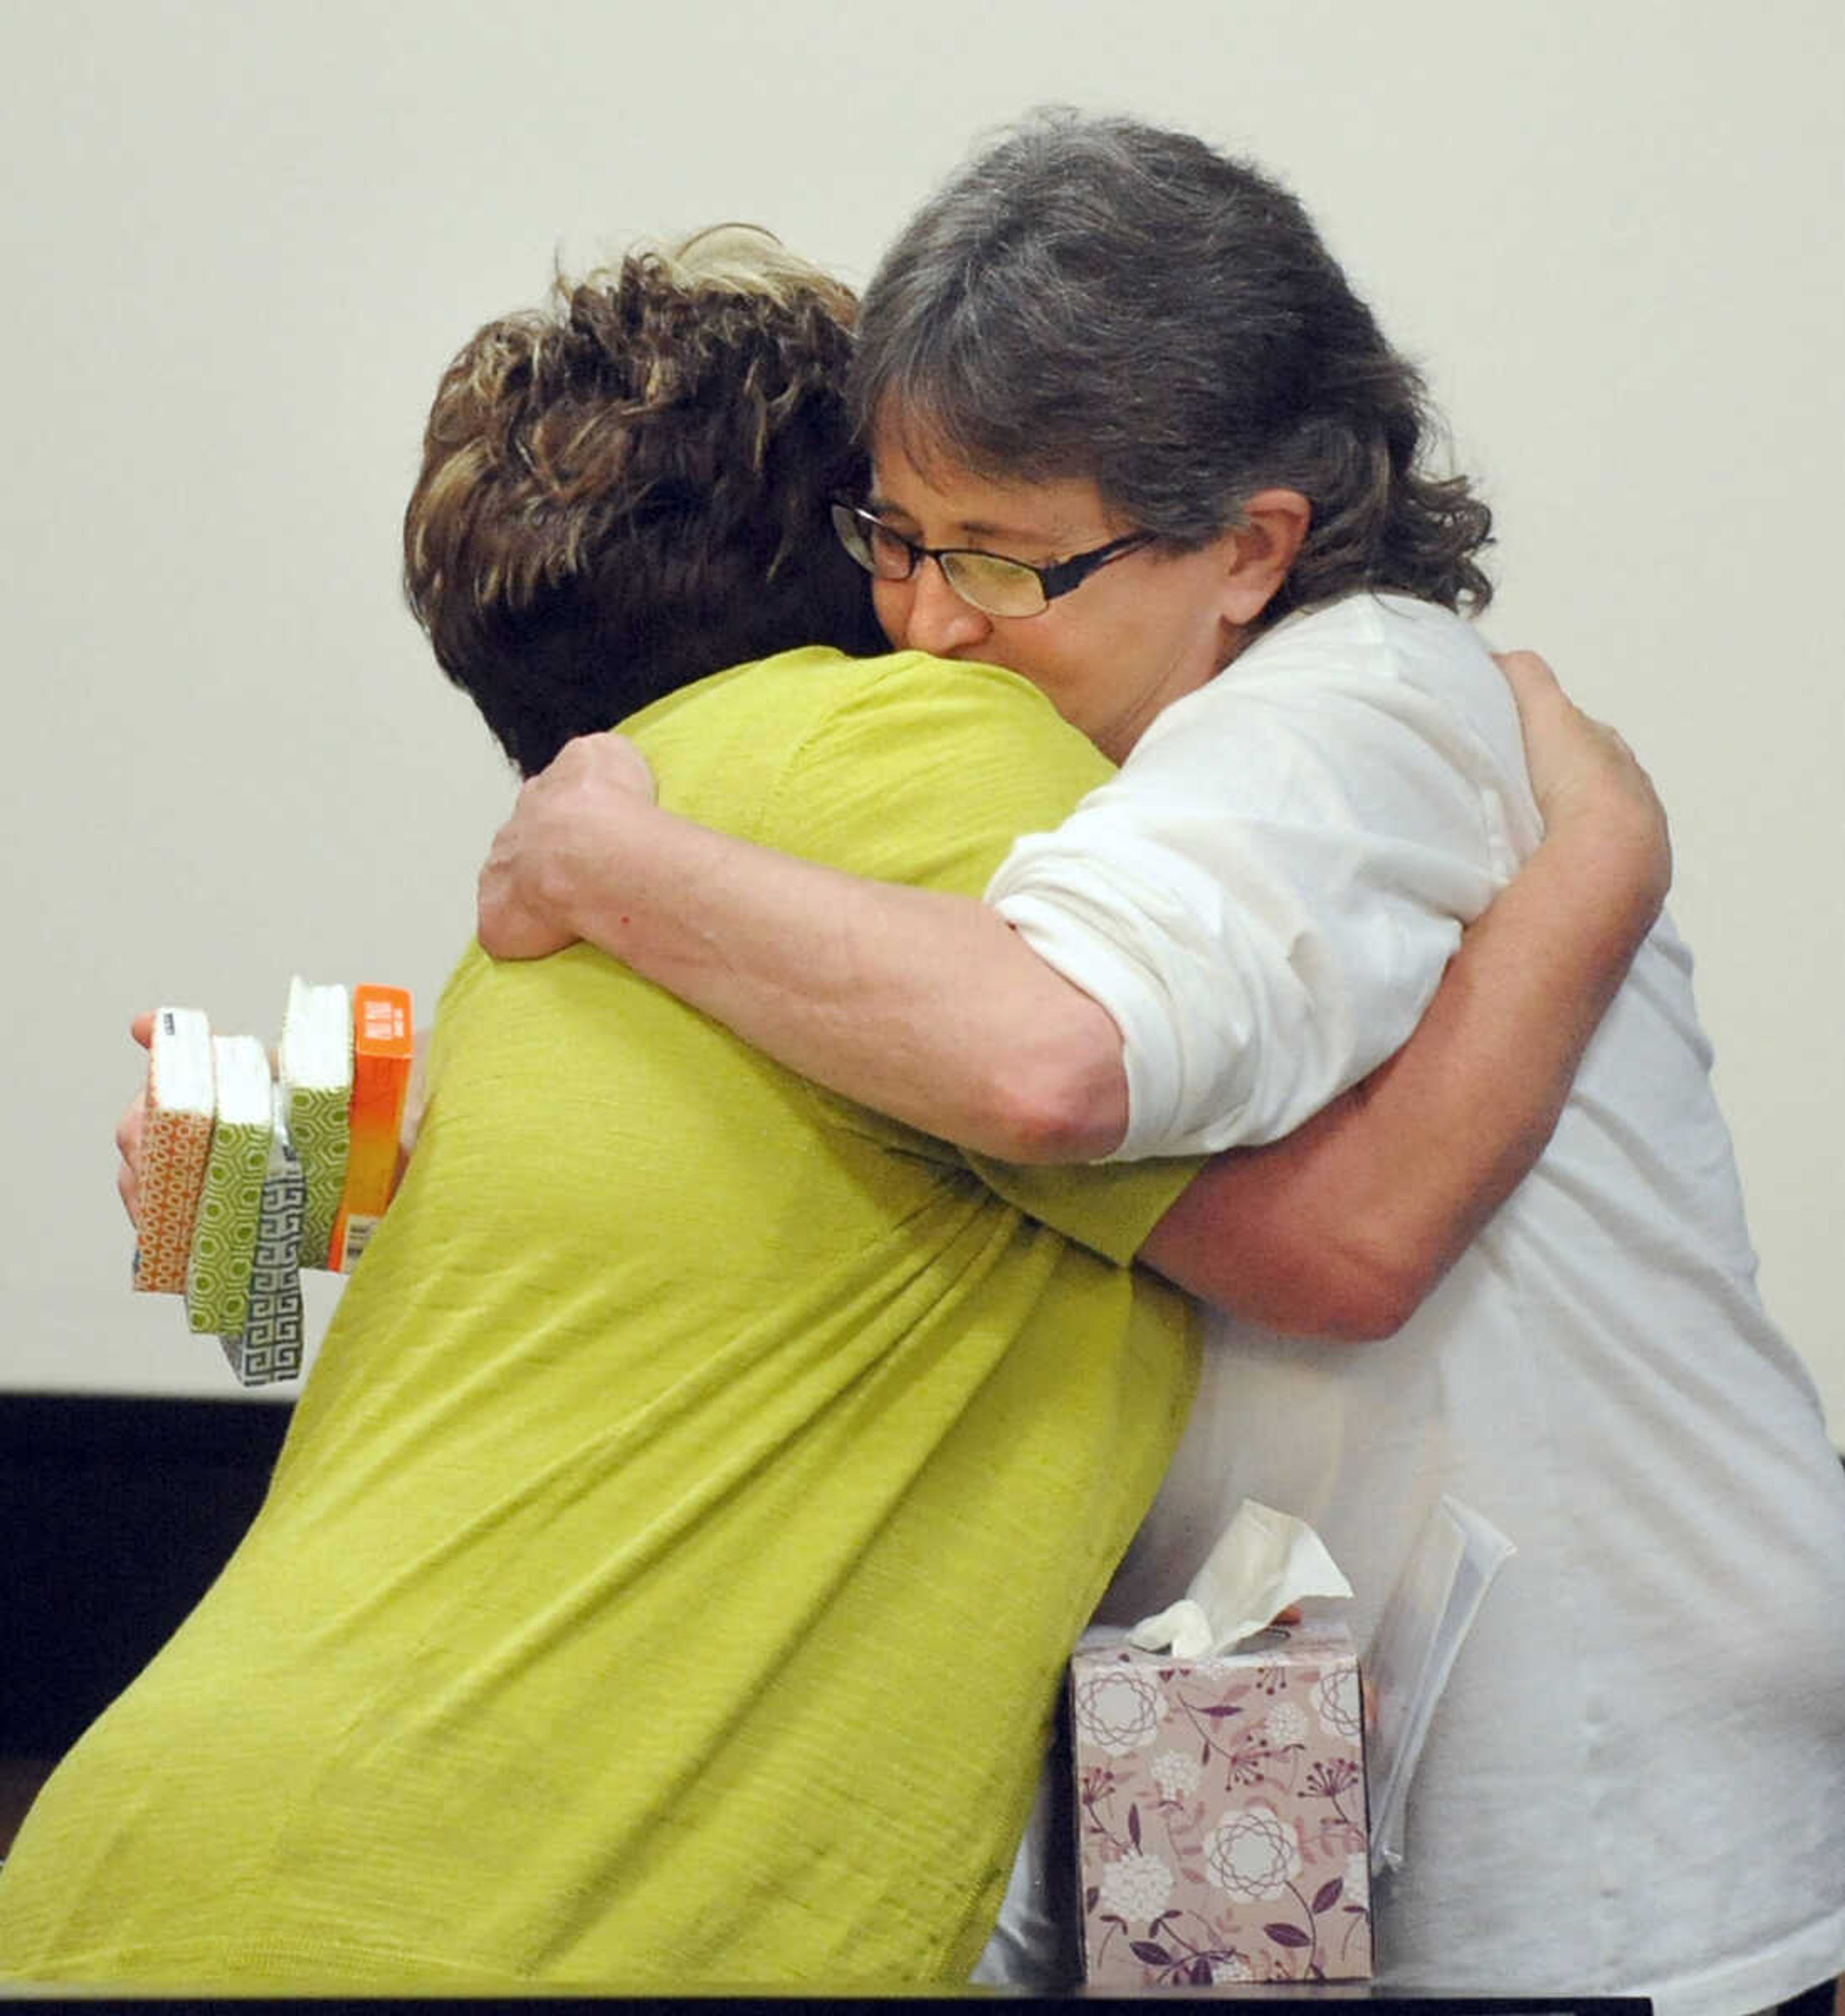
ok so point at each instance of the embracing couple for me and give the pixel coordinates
(668, 1575)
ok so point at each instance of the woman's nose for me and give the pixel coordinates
(934, 618)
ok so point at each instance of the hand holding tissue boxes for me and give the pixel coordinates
(1220, 1785)
(245, 1180)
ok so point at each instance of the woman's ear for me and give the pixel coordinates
(1263, 546)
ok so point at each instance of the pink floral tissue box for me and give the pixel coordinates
(1220, 1817)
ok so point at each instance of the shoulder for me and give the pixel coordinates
(1378, 638)
(905, 766)
(913, 710)
(1369, 669)
(1379, 647)
(796, 692)
(777, 707)
(927, 771)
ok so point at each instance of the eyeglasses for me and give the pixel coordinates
(990, 582)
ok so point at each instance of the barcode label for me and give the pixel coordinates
(359, 1233)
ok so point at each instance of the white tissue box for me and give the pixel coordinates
(1220, 1813)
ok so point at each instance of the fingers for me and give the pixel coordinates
(598, 764)
(1529, 675)
(128, 1143)
(128, 1129)
(1581, 770)
(1541, 698)
(1558, 736)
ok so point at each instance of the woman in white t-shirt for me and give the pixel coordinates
(1135, 439)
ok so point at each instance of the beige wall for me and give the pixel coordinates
(242, 240)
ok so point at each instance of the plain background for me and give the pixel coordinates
(242, 241)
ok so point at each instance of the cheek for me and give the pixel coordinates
(1059, 682)
(1038, 650)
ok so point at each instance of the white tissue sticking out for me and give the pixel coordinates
(1264, 1561)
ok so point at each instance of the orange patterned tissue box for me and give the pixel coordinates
(1220, 1812)
(175, 1144)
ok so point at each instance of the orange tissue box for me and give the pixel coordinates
(384, 1049)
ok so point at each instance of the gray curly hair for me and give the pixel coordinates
(1097, 298)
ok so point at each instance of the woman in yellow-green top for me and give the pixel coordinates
(669, 1568)
(667, 1578)
(668, 1575)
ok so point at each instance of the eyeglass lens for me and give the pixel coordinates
(993, 585)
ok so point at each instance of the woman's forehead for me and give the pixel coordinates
(916, 478)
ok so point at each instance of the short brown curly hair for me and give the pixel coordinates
(627, 491)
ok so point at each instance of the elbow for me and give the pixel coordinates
(1052, 1087)
(1367, 1305)
(1333, 1297)
(1060, 1104)
(1370, 1295)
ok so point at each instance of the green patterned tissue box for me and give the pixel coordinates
(269, 1346)
(316, 1059)
(230, 1208)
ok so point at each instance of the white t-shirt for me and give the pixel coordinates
(1635, 1783)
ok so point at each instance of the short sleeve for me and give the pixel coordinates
(1111, 1207)
(925, 770)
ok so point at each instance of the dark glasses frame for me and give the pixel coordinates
(861, 532)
